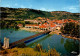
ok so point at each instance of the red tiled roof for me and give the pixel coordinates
(31, 25)
(42, 26)
(19, 25)
(69, 20)
(39, 17)
(45, 23)
(52, 25)
(59, 21)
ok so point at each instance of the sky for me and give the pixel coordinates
(45, 5)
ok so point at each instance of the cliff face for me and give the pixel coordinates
(26, 13)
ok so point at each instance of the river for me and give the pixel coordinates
(63, 45)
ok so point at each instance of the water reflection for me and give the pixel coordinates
(72, 46)
(61, 44)
(35, 43)
(62, 40)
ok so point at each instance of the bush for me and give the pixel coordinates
(53, 52)
(38, 47)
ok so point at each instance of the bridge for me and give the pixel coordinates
(27, 38)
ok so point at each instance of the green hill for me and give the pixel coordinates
(26, 13)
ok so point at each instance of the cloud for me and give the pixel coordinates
(44, 9)
(7, 6)
(71, 9)
(22, 6)
(15, 4)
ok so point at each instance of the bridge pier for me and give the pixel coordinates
(6, 43)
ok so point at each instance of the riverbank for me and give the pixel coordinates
(50, 40)
(71, 37)
(65, 36)
(31, 29)
(38, 30)
(51, 33)
(55, 32)
(27, 51)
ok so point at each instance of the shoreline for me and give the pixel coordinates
(53, 32)
(31, 30)
(70, 37)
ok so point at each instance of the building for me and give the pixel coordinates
(20, 25)
(32, 26)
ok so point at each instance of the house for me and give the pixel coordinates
(42, 27)
(32, 26)
(58, 27)
(32, 21)
(28, 26)
(20, 25)
(52, 26)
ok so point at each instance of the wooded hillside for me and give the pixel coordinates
(26, 13)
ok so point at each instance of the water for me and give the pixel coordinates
(14, 35)
(63, 45)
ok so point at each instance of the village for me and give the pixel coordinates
(39, 28)
(43, 24)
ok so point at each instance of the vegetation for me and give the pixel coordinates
(13, 24)
(8, 24)
(38, 47)
(28, 52)
(26, 13)
(71, 29)
(72, 45)
(64, 15)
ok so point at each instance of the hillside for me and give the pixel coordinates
(65, 15)
(26, 13)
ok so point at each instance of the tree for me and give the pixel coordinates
(71, 45)
(71, 29)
